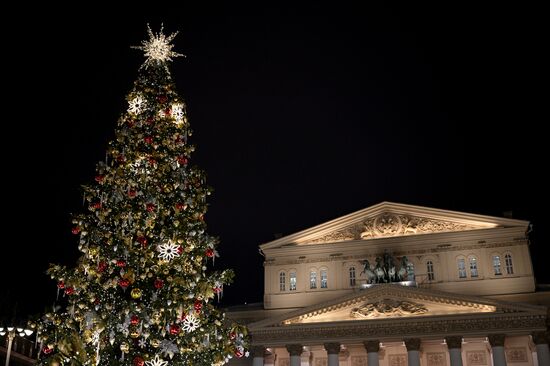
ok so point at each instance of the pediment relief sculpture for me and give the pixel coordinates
(389, 224)
(388, 307)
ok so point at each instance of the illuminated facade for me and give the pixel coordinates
(397, 285)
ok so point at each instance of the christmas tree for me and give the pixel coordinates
(142, 292)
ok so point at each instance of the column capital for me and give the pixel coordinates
(372, 345)
(332, 348)
(412, 344)
(453, 341)
(540, 337)
(294, 349)
(496, 340)
(257, 351)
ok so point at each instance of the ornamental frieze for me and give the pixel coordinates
(390, 224)
(388, 307)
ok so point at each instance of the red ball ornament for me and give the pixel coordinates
(198, 305)
(96, 205)
(99, 178)
(209, 252)
(132, 193)
(121, 263)
(61, 284)
(47, 350)
(168, 111)
(232, 336)
(182, 160)
(150, 207)
(134, 320)
(138, 361)
(180, 249)
(149, 121)
(181, 206)
(142, 240)
(238, 353)
(102, 266)
(174, 329)
(69, 290)
(217, 290)
(121, 158)
(75, 230)
(124, 282)
(163, 99)
(152, 161)
(131, 123)
(148, 140)
(159, 283)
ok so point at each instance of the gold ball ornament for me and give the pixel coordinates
(93, 251)
(136, 293)
(134, 333)
(155, 343)
(124, 347)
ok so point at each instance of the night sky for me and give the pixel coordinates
(301, 115)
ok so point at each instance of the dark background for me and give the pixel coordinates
(301, 115)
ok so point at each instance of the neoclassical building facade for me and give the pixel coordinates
(398, 285)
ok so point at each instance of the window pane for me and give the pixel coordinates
(461, 268)
(282, 281)
(496, 264)
(324, 283)
(410, 271)
(312, 279)
(352, 276)
(430, 270)
(509, 265)
(292, 281)
(473, 267)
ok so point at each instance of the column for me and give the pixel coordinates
(372, 347)
(541, 341)
(413, 351)
(497, 347)
(333, 351)
(454, 344)
(257, 355)
(295, 351)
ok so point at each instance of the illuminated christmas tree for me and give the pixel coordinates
(142, 292)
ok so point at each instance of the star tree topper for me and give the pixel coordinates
(157, 48)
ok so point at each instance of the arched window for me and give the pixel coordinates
(352, 276)
(292, 285)
(496, 264)
(509, 265)
(324, 279)
(312, 279)
(430, 270)
(461, 268)
(282, 281)
(410, 271)
(473, 266)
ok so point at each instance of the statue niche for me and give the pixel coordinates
(386, 269)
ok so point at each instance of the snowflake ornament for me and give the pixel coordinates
(142, 343)
(157, 49)
(168, 251)
(157, 361)
(136, 105)
(178, 113)
(191, 323)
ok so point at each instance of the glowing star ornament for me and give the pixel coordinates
(168, 251)
(157, 48)
(190, 323)
(136, 105)
(157, 361)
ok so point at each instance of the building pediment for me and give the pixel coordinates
(392, 220)
(395, 302)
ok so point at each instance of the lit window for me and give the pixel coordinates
(324, 283)
(430, 270)
(282, 281)
(410, 271)
(496, 264)
(509, 265)
(473, 267)
(461, 268)
(352, 276)
(292, 281)
(312, 279)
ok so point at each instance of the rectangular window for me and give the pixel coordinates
(292, 281)
(509, 265)
(430, 268)
(312, 279)
(496, 264)
(352, 276)
(461, 268)
(410, 271)
(473, 267)
(282, 281)
(324, 283)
